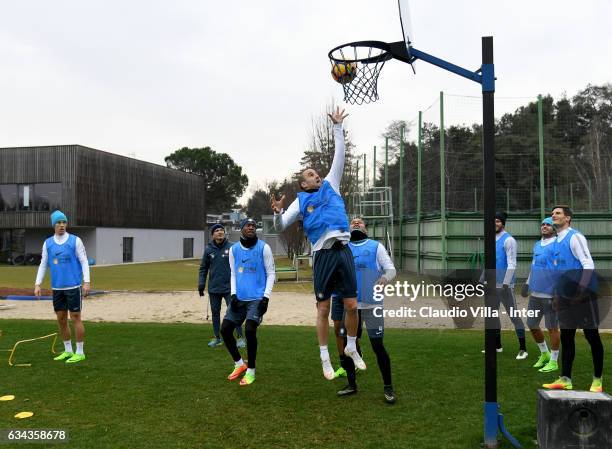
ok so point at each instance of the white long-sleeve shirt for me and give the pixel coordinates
(288, 217)
(268, 265)
(510, 248)
(81, 255)
(580, 250)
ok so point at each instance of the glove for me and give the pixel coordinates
(262, 308)
(525, 290)
(201, 290)
(234, 303)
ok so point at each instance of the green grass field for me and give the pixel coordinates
(160, 386)
(150, 277)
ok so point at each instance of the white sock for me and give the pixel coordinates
(351, 344)
(68, 346)
(80, 348)
(251, 371)
(239, 363)
(543, 347)
(554, 355)
(324, 352)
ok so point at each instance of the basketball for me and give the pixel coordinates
(344, 72)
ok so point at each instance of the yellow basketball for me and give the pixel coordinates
(344, 72)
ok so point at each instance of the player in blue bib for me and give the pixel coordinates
(321, 208)
(575, 299)
(374, 268)
(539, 287)
(252, 278)
(505, 266)
(65, 256)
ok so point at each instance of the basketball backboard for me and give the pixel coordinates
(407, 31)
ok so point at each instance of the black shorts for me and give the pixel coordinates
(578, 314)
(67, 300)
(334, 272)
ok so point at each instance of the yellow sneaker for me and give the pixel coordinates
(76, 358)
(248, 379)
(562, 383)
(63, 356)
(596, 386)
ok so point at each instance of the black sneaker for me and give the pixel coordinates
(348, 390)
(389, 395)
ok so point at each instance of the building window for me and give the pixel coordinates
(8, 197)
(47, 196)
(187, 248)
(128, 249)
(26, 196)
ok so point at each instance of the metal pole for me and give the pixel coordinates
(419, 191)
(571, 195)
(386, 162)
(541, 150)
(374, 170)
(365, 175)
(507, 200)
(488, 128)
(555, 194)
(609, 194)
(401, 200)
(442, 186)
(590, 197)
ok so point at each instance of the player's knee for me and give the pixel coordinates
(227, 328)
(75, 317)
(350, 305)
(323, 308)
(250, 328)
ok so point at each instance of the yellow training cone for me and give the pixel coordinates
(22, 415)
(8, 397)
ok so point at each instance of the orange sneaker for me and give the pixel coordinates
(562, 383)
(238, 370)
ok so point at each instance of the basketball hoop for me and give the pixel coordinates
(369, 58)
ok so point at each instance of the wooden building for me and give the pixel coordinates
(124, 209)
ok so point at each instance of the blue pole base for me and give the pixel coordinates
(493, 425)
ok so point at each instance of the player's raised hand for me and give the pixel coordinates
(277, 206)
(338, 116)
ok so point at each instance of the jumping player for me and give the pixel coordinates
(322, 210)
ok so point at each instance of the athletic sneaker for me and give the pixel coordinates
(348, 390)
(551, 366)
(64, 355)
(328, 369)
(498, 350)
(340, 372)
(215, 342)
(562, 383)
(389, 395)
(241, 343)
(596, 386)
(543, 360)
(248, 379)
(522, 355)
(238, 370)
(359, 363)
(76, 358)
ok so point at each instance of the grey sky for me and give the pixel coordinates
(246, 78)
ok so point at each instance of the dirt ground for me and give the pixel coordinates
(188, 307)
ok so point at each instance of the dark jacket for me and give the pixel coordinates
(215, 264)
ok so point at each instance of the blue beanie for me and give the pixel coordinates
(216, 226)
(548, 221)
(57, 216)
(247, 221)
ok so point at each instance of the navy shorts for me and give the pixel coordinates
(544, 308)
(246, 310)
(67, 300)
(334, 271)
(337, 308)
